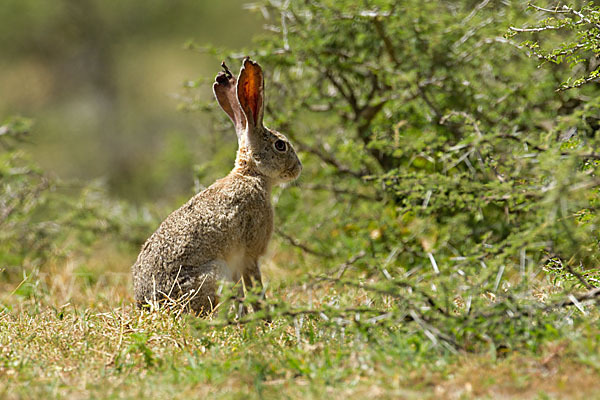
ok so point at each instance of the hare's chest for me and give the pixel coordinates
(260, 227)
(235, 260)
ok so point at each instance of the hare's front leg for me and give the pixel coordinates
(240, 307)
(252, 279)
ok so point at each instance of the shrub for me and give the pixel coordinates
(439, 160)
(42, 218)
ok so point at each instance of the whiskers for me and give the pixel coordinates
(294, 183)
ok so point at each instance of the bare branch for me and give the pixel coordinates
(329, 159)
(538, 29)
(299, 245)
(342, 268)
(576, 274)
(345, 91)
(387, 42)
(555, 11)
(344, 192)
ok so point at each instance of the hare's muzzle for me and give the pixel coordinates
(294, 172)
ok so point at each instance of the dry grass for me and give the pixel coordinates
(75, 334)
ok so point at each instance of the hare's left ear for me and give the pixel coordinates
(250, 93)
(225, 91)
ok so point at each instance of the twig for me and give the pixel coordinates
(299, 245)
(329, 159)
(339, 191)
(581, 83)
(555, 11)
(565, 10)
(327, 313)
(346, 91)
(568, 301)
(22, 198)
(522, 140)
(527, 142)
(579, 277)
(477, 8)
(342, 268)
(539, 29)
(388, 292)
(593, 294)
(389, 46)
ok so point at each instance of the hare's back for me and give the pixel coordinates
(199, 231)
(194, 233)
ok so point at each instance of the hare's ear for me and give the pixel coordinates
(250, 93)
(225, 91)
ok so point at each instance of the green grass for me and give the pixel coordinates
(70, 336)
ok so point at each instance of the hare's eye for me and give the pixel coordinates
(280, 146)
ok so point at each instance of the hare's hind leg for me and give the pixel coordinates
(198, 286)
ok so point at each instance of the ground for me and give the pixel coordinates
(74, 333)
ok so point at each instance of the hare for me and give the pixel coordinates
(221, 232)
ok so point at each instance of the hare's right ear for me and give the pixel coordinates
(225, 91)
(250, 93)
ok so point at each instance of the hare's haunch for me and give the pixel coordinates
(221, 232)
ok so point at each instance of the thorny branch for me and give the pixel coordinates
(576, 274)
(300, 245)
(388, 291)
(583, 25)
(344, 88)
(564, 10)
(22, 198)
(331, 160)
(342, 268)
(343, 192)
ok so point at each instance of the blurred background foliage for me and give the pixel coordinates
(444, 175)
(102, 81)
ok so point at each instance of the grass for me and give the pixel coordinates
(72, 332)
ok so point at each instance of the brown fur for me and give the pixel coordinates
(220, 233)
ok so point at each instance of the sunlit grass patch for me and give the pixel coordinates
(70, 351)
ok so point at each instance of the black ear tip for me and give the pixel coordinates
(222, 78)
